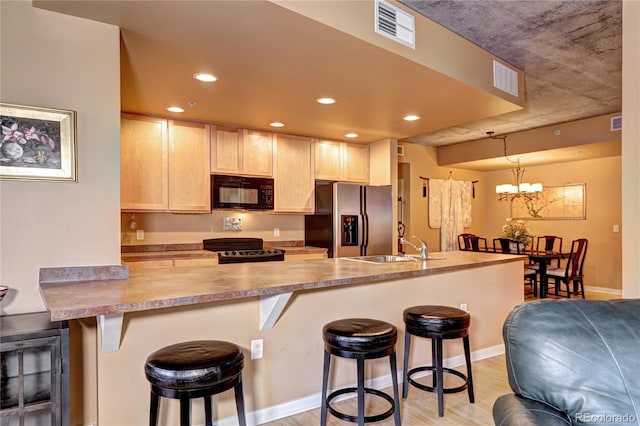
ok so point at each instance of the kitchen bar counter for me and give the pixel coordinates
(70, 298)
(148, 309)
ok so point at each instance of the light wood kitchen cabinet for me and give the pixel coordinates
(242, 152)
(293, 175)
(144, 163)
(341, 161)
(163, 165)
(355, 163)
(225, 151)
(189, 173)
(307, 256)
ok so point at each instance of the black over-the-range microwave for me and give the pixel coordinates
(241, 192)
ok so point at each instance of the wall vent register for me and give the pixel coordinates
(395, 23)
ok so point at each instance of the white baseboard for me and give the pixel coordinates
(604, 290)
(312, 402)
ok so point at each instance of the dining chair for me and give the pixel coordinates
(572, 271)
(473, 243)
(464, 242)
(547, 243)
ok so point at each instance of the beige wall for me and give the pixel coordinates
(57, 61)
(603, 264)
(631, 147)
(423, 162)
(167, 228)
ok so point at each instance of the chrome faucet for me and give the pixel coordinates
(422, 249)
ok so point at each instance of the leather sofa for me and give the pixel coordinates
(572, 362)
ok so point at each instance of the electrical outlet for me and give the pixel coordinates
(257, 348)
(463, 306)
(276, 232)
(140, 234)
(616, 228)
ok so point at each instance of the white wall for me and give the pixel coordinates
(630, 149)
(57, 61)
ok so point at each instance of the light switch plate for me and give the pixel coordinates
(232, 223)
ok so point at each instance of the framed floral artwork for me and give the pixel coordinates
(565, 202)
(37, 143)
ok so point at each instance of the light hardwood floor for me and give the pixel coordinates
(421, 408)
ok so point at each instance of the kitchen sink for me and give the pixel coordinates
(383, 259)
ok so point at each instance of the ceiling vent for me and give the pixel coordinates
(505, 79)
(616, 123)
(395, 23)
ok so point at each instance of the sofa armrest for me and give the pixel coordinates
(512, 410)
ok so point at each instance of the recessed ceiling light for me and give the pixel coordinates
(411, 117)
(175, 109)
(326, 101)
(351, 135)
(207, 78)
(276, 124)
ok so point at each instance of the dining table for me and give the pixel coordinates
(543, 258)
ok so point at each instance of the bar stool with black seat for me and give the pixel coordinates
(437, 323)
(360, 339)
(196, 369)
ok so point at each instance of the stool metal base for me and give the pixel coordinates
(438, 371)
(367, 419)
(360, 390)
(435, 388)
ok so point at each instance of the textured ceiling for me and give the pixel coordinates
(570, 52)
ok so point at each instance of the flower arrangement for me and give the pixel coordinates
(517, 230)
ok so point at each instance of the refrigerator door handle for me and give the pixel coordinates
(365, 221)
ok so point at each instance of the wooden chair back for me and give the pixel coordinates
(549, 243)
(575, 262)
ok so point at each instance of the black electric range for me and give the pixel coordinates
(241, 250)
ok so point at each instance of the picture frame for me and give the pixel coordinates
(563, 202)
(37, 143)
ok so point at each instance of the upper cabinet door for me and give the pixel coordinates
(293, 175)
(225, 151)
(144, 176)
(342, 161)
(189, 172)
(257, 153)
(355, 163)
(328, 160)
(242, 152)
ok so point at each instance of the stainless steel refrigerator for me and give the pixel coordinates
(351, 219)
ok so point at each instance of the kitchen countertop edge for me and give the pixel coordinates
(155, 288)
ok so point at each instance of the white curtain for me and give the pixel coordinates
(449, 209)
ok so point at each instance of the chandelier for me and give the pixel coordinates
(519, 189)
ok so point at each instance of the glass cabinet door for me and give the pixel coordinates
(30, 382)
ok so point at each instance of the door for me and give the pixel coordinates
(378, 216)
(347, 220)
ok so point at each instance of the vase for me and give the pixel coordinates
(12, 150)
(516, 247)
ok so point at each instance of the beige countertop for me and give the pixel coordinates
(71, 293)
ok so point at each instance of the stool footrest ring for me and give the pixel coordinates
(444, 370)
(350, 418)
